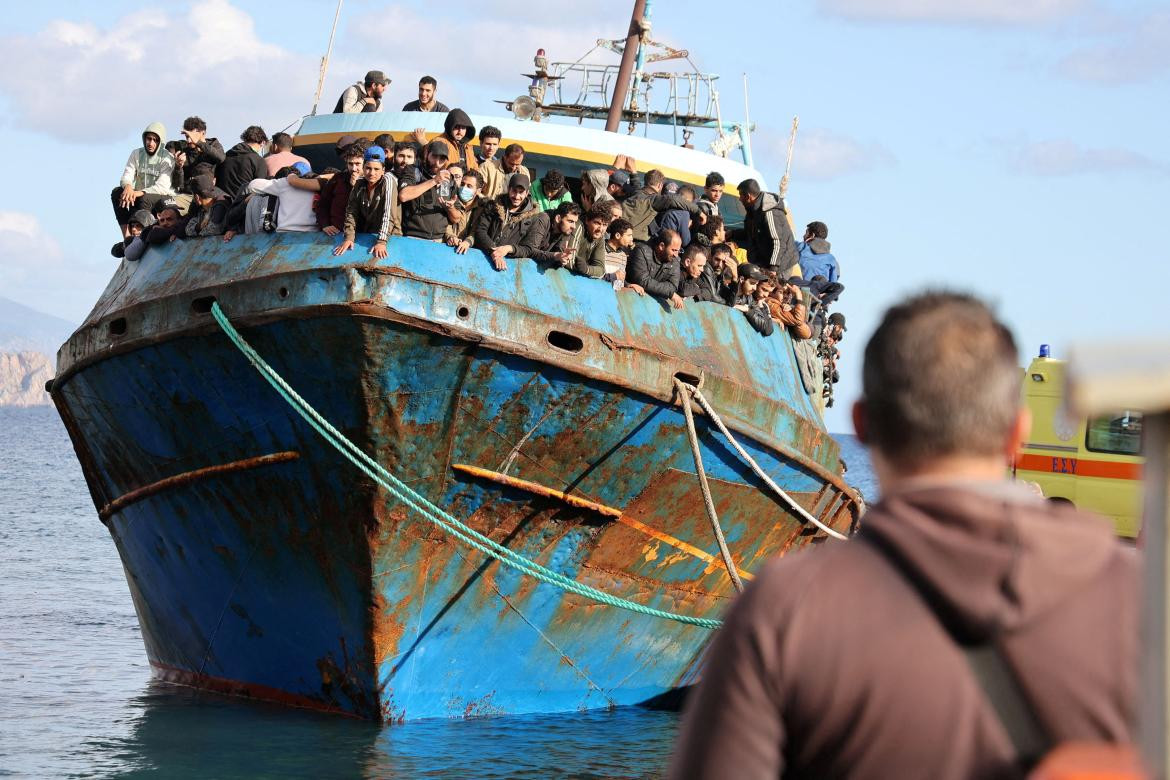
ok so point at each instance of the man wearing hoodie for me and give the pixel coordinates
(457, 134)
(243, 163)
(765, 232)
(874, 658)
(146, 179)
(815, 258)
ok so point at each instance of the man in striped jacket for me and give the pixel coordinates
(765, 233)
(371, 205)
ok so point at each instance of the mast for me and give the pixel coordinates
(325, 60)
(622, 86)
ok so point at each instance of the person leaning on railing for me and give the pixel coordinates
(463, 213)
(653, 268)
(370, 208)
(364, 97)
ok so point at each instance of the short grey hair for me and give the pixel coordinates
(941, 377)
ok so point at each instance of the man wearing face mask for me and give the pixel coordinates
(464, 212)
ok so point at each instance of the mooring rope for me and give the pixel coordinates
(797, 508)
(423, 507)
(684, 391)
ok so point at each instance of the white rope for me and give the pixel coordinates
(693, 437)
(797, 508)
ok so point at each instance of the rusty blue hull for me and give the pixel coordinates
(262, 564)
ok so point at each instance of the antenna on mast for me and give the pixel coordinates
(325, 61)
(788, 165)
(745, 131)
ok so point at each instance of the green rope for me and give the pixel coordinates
(424, 507)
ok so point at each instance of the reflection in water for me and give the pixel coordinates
(183, 733)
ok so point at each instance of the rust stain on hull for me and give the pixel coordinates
(601, 509)
(187, 477)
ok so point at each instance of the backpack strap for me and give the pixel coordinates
(1002, 689)
(1000, 685)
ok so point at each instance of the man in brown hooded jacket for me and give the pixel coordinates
(854, 660)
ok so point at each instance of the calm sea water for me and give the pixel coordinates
(76, 698)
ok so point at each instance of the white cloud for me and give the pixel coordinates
(35, 271)
(995, 12)
(95, 81)
(821, 155)
(18, 224)
(1140, 51)
(1067, 158)
(487, 54)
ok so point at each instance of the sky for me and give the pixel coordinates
(1011, 148)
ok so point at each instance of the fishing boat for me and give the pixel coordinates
(419, 487)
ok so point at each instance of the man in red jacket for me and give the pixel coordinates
(334, 198)
(901, 652)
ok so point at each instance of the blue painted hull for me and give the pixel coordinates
(295, 579)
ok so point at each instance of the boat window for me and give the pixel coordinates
(1115, 434)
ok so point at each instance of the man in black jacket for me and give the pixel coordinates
(424, 194)
(169, 226)
(698, 281)
(559, 247)
(511, 226)
(199, 148)
(655, 269)
(242, 163)
(753, 306)
(765, 234)
(209, 206)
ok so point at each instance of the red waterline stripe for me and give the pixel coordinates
(243, 690)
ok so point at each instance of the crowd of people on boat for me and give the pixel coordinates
(469, 190)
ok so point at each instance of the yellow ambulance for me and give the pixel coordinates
(1094, 463)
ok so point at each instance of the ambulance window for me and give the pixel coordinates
(1117, 435)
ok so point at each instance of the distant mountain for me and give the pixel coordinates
(22, 378)
(27, 330)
